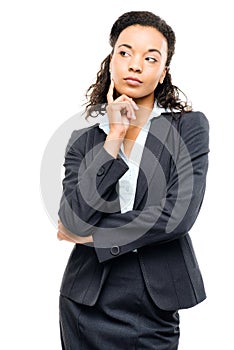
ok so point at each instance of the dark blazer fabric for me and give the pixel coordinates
(170, 190)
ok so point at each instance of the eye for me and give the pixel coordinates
(124, 53)
(151, 59)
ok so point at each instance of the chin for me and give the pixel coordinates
(129, 93)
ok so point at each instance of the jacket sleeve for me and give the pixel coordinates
(118, 233)
(88, 185)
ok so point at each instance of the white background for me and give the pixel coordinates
(50, 54)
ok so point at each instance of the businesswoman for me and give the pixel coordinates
(133, 187)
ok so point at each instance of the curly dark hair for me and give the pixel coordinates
(166, 94)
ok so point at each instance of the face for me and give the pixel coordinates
(138, 62)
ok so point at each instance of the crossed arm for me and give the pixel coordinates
(194, 132)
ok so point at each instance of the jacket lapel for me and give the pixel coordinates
(155, 142)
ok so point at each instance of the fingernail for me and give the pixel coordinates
(133, 116)
(134, 104)
(136, 107)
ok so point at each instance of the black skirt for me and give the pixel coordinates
(124, 316)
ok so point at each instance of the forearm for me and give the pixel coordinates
(152, 225)
(86, 194)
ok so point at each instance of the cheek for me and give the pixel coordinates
(114, 64)
(116, 73)
(154, 77)
(116, 68)
(153, 81)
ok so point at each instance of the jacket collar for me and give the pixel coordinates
(154, 145)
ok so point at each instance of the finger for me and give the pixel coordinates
(134, 105)
(63, 229)
(128, 109)
(59, 236)
(126, 98)
(62, 237)
(129, 112)
(110, 93)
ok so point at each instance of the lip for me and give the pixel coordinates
(133, 81)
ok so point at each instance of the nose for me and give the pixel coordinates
(135, 65)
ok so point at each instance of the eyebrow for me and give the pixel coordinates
(150, 50)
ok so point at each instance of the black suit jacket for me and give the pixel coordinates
(169, 194)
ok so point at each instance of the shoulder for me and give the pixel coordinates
(188, 121)
(194, 119)
(81, 135)
(194, 126)
(81, 140)
(191, 127)
(194, 131)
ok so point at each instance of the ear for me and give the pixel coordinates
(163, 75)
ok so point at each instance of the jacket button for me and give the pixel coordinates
(115, 250)
(101, 171)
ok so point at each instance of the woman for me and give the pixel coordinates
(133, 187)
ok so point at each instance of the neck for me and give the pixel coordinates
(146, 101)
(142, 115)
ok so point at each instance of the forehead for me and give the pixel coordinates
(137, 35)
